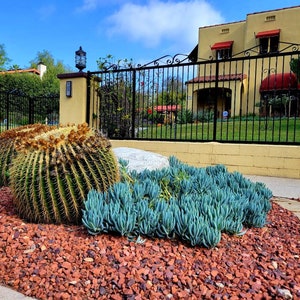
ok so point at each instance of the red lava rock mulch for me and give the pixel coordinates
(65, 262)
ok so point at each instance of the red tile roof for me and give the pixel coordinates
(163, 108)
(212, 78)
(34, 71)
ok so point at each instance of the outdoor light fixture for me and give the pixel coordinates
(68, 88)
(80, 59)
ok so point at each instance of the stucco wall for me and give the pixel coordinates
(73, 109)
(263, 160)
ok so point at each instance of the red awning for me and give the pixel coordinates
(169, 108)
(268, 33)
(279, 82)
(222, 45)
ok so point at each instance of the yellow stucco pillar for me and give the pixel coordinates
(73, 94)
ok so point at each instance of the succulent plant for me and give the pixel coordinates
(53, 171)
(7, 145)
(193, 204)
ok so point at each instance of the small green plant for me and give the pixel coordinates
(203, 116)
(185, 116)
(193, 204)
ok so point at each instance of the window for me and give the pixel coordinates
(268, 45)
(223, 50)
(274, 43)
(224, 53)
(263, 45)
(268, 41)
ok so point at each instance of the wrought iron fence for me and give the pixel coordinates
(251, 99)
(17, 109)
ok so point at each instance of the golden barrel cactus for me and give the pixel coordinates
(7, 145)
(53, 172)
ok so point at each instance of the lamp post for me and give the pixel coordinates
(80, 59)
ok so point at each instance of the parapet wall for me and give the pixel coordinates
(249, 159)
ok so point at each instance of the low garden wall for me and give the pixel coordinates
(249, 159)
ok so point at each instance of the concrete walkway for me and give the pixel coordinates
(286, 191)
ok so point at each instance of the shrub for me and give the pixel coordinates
(155, 117)
(203, 116)
(184, 116)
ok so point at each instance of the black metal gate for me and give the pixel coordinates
(241, 100)
(17, 110)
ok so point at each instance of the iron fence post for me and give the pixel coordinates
(216, 102)
(31, 111)
(7, 110)
(133, 103)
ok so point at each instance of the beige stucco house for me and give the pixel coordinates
(242, 53)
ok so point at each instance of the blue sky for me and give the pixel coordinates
(141, 30)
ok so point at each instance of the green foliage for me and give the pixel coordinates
(50, 82)
(155, 117)
(115, 94)
(3, 57)
(53, 171)
(110, 61)
(185, 116)
(115, 110)
(280, 103)
(30, 84)
(193, 204)
(204, 116)
(25, 84)
(173, 91)
(295, 67)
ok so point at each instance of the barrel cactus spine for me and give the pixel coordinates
(53, 172)
(7, 145)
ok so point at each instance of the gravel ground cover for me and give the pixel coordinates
(65, 262)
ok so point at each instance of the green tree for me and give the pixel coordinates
(50, 82)
(31, 84)
(282, 101)
(14, 67)
(21, 83)
(110, 62)
(172, 92)
(4, 60)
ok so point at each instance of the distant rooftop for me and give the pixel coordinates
(34, 71)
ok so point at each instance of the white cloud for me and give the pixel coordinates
(93, 5)
(89, 5)
(157, 22)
